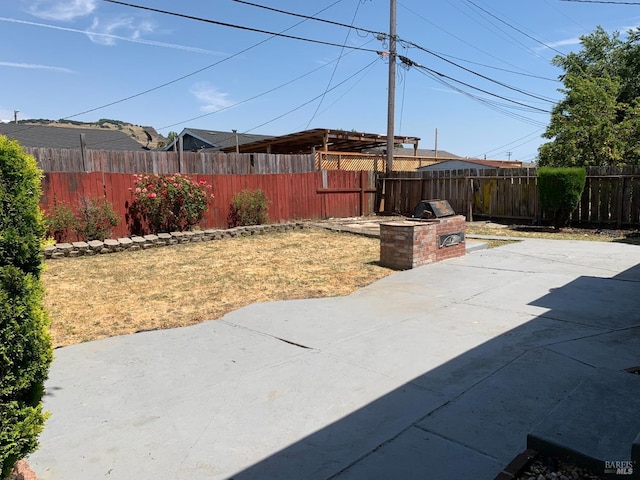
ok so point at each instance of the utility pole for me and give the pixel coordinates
(392, 86)
(235, 132)
(509, 155)
(15, 116)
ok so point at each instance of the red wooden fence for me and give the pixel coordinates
(292, 197)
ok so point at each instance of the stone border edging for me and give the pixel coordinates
(133, 243)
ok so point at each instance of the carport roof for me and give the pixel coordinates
(323, 140)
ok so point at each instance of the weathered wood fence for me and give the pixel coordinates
(611, 196)
(292, 197)
(151, 161)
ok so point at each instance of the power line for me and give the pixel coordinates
(266, 92)
(493, 105)
(130, 97)
(232, 25)
(515, 28)
(516, 89)
(335, 67)
(362, 70)
(612, 2)
(307, 17)
(475, 47)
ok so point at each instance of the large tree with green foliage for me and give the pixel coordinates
(598, 121)
(25, 345)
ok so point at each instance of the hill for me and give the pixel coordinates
(137, 132)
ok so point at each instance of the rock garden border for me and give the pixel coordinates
(134, 242)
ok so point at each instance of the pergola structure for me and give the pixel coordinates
(325, 140)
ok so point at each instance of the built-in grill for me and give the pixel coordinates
(429, 209)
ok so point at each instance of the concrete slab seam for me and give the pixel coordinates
(444, 437)
(560, 342)
(567, 356)
(487, 376)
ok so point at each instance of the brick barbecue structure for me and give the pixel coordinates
(407, 244)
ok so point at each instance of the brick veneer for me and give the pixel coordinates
(408, 244)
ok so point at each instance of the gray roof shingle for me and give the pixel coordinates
(69, 138)
(218, 139)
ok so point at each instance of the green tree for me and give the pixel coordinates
(597, 121)
(25, 345)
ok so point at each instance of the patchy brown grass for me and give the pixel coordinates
(521, 231)
(89, 298)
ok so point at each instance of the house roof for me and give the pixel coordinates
(67, 137)
(421, 152)
(320, 139)
(471, 162)
(218, 139)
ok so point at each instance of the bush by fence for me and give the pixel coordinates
(291, 197)
(611, 195)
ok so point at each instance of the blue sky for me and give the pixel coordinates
(59, 58)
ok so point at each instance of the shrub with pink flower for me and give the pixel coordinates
(170, 202)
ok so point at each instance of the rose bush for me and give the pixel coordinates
(170, 202)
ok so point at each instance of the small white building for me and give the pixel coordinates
(470, 163)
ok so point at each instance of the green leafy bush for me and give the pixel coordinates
(248, 207)
(60, 222)
(25, 345)
(169, 202)
(94, 219)
(560, 190)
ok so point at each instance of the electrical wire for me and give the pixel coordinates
(335, 67)
(157, 87)
(532, 134)
(514, 28)
(502, 84)
(266, 92)
(232, 25)
(411, 63)
(307, 17)
(602, 1)
(475, 47)
(362, 70)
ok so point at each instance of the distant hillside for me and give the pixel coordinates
(134, 131)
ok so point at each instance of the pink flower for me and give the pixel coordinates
(176, 185)
(152, 195)
(144, 190)
(138, 190)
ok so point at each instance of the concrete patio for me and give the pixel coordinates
(437, 372)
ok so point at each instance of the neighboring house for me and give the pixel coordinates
(194, 140)
(45, 136)
(420, 152)
(470, 163)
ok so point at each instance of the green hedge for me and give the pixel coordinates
(248, 207)
(25, 345)
(560, 190)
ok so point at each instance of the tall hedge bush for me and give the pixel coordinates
(560, 190)
(25, 345)
(248, 207)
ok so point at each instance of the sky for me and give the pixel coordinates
(477, 72)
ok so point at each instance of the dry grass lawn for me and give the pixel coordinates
(89, 298)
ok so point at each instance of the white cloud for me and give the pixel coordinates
(35, 66)
(107, 36)
(104, 33)
(61, 10)
(212, 98)
(563, 43)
